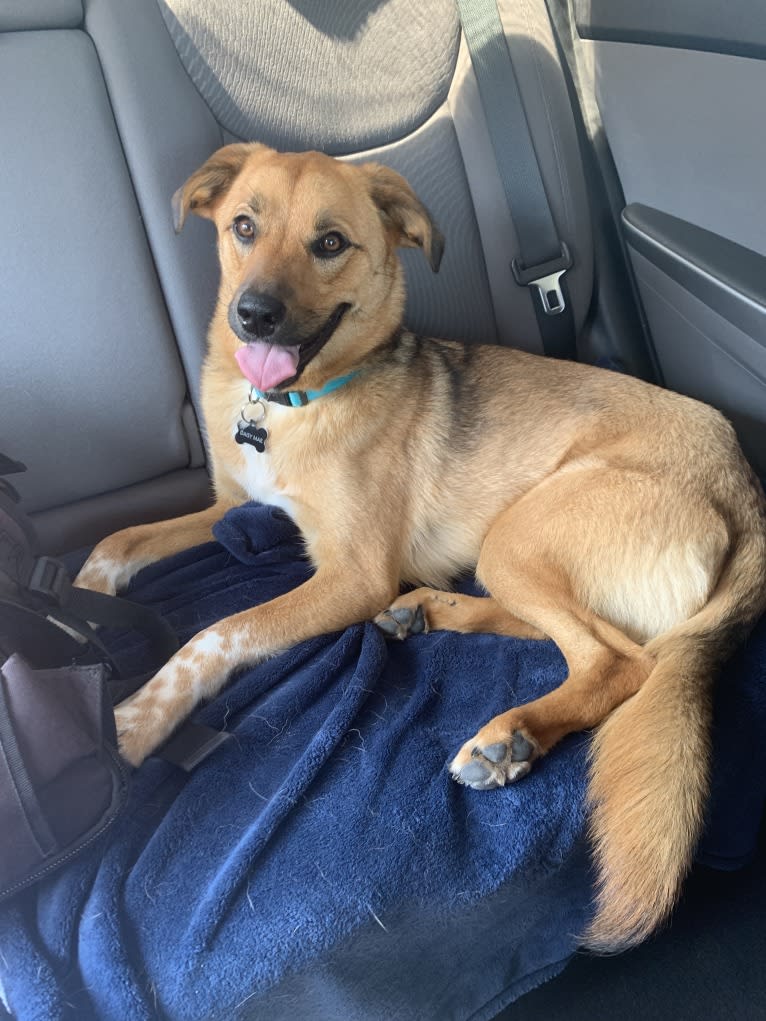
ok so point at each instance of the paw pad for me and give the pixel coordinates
(521, 749)
(400, 621)
(496, 764)
(493, 752)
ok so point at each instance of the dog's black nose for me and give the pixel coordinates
(260, 314)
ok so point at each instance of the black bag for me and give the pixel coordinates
(62, 782)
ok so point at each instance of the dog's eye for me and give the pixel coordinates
(244, 228)
(330, 244)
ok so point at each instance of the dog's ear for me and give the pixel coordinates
(401, 208)
(210, 183)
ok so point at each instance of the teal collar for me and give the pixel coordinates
(300, 398)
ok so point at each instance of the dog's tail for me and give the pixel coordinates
(649, 763)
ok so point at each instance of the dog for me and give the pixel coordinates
(616, 518)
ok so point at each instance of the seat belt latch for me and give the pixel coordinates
(49, 579)
(546, 280)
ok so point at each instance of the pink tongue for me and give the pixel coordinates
(267, 365)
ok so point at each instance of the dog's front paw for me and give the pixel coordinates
(98, 574)
(139, 731)
(485, 762)
(425, 609)
(401, 621)
(107, 569)
(115, 560)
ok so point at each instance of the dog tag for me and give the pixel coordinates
(248, 429)
(255, 435)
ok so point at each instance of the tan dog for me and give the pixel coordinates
(618, 519)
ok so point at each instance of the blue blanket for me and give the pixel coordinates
(322, 864)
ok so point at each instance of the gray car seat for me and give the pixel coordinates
(109, 106)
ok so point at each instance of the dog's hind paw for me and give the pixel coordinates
(485, 766)
(401, 621)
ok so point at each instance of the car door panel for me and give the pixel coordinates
(679, 88)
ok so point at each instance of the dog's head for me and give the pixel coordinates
(310, 280)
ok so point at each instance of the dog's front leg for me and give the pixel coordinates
(117, 558)
(330, 600)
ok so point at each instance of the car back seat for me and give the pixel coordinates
(109, 106)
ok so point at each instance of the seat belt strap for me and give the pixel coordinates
(543, 258)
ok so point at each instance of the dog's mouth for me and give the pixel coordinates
(270, 365)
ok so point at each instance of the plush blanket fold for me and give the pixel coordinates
(322, 864)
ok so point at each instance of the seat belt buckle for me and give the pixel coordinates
(545, 278)
(49, 579)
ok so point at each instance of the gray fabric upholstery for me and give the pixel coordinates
(164, 142)
(16, 15)
(318, 74)
(62, 529)
(91, 392)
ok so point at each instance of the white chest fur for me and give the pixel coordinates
(254, 470)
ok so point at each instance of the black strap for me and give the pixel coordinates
(543, 257)
(557, 331)
(192, 744)
(49, 582)
(37, 638)
(112, 611)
